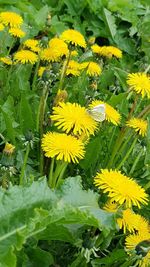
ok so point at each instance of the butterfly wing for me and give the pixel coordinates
(98, 112)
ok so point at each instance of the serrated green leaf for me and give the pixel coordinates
(41, 16)
(26, 114)
(109, 20)
(22, 215)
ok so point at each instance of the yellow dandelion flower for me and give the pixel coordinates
(96, 49)
(59, 45)
(140, 83)
(32, 44)
(16, 32)
(60, 97)
(145, 261)
(139, 125)
(11, 18)
(73, 37)
(114, 51)
(111, 206)
(73, 68)
(41, 71)
(132, 222)
(25, 56)
(1, 27)
(112, 115)
(134, 239)
(71, 117)
(8, 149)
(6, 60)
(107, 51)
(50, 54)
(63, 147)
(140, 245)
(93, 69)
(121, 188)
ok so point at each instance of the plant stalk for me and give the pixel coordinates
(64, 69)
(127, 154)
(135, 162)
(40, 121)
(35, 75)
(24, 164)
(50, 178)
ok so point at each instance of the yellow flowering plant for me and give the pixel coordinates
(74, 134)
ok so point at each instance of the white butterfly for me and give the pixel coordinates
(98, 112)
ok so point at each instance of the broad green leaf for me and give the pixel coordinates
(57, 26)
(26, 114)
(89, 160)
(27, 211)
(41, 16)
(109, 20)
(39, 257)
(17, 215)
(56, 231)
(76, 7)
(117, 99)
(9, 127)
(115, 258)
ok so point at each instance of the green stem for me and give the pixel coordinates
(24, 164)
(135, 162)
(127, 154)
(147, 69)
(116, 147)
(133, 107)
(50, 178)
(144, 112)
(35, 75)
(130, 93)
(64, 69)
(40, 122)
(112, 137)
(147, 186)
(59, 168)
(123, 147)
(11, 45)
(61, 174)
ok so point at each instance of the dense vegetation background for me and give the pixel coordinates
(68, 225)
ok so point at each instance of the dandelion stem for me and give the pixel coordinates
(127, 154)
(133, 107)
(50, 179)
(59, 171)
(135, 162)
(147, 69)
(123, 146)
(64, 69)
(116, 147)
(61, 174)
(147, 186)
(11, 46)
(24, 164)
(144, 112)
(35, 75)
(40, 122)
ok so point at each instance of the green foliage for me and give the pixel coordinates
(67, 225)
(35, 210)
